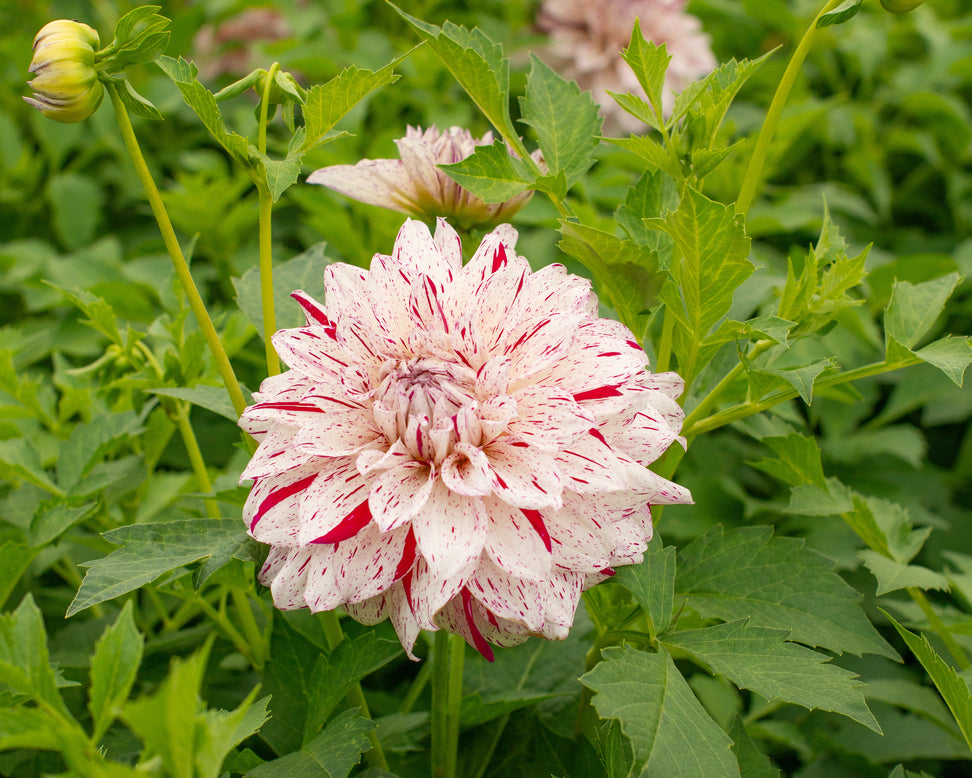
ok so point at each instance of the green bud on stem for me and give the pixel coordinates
(900, 6)
(66, 86)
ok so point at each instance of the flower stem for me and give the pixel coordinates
(266, 245)
(334, 635)
(741, 411)
(181, 418)
(751, 179)
(251, 631)
(175, 252)
(448, 654)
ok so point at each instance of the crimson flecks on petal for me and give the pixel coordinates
(456, 447)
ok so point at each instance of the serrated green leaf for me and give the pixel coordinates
(24, 664)
(39, 728)
(752, 762)
(649, 62)
(776, 583)
(101, 316)
(20, 461)
(134, 102)
(332, 754)
(763, 661)
(212, 398)
(89, 442)
(813, 500)
(637, 107)
(476, 62)
(892, 575)
(950, 355)
(913, 308)
(652, 584)
(707, 100)
(801, 378)
(15, 558)
(652, 151)
(477, 710)
(653, 196)
(492, 173)
(712, 262)
(347, 664)
(565, 119)
(842, 13)
(798, 460)
(114, 665)
(670, 732)
(220, 731)
(49, 522)
(201, 100)
(279, 174)
(149, 550)
(327, 103)
(304, 272)
(627, 272)
(954, 690)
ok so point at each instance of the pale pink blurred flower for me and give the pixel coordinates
(231, 47)
(414, 185)
(456, 447)
(586, 38)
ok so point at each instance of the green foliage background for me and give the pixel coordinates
(706, 647)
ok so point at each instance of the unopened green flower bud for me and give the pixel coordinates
(900, 6)
(66, 86)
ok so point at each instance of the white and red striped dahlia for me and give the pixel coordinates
(456, 446)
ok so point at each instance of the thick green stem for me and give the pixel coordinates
(448, 654)
(266, 245)
(707, 402)
(753, 173)
(737, 412)
(334, 635)
(939, 626)
(181, 418)
(175, 252)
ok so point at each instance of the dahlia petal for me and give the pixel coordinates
(332, 497)
(507, 596)
(275, 454)
(548, 417)
(629, 543)
(287, 585)
(272, 508)
(523, 476)
(466, 471)
(495, 415)
(513, 544)
(338, 433)
(450, 531)
(562, 594)
(420, 165)
(536, 344)
(321, 591)
(450, 250)
(580, 540)
(644, 436)
(589, 465)
(418, 252)
(429, 591)
(399, 493)
(388, 284)
(345, 291)
(369, 612)
(373, 459)
(314, 312)
(312, 352)
(367, 566)
(552, 290)
(277, 557)
(382, 182)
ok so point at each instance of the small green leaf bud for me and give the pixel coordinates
(66, 86)
(900, 6)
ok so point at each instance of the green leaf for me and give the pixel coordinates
(652, 151)
(220, 731)
(279, 174)
(24, 664)
(77, 203)
(134, 102)
(328, 103)
(476, 710)
(347, 664)
(652, 584)
(762, 661)
(886, 528)
(90, 442)
(304, 272)
(654, 195)
(914, 307)
(492, 173)
(140, 36)
(627, 272)
(649, 63)
(713, 250)
(671, 734)
(477, 63)
(950, 355)
(15, 559)
(101, 316)
(566, 120)
(332, 754)
(892, 575)
(752, 762)
(114, 665)
(149, 550)
(776, 583)
(954, 689)
(212, 398)
(20, 461)
(201, 100)
(842, 13)
(798, 460)
(812, 500)
(801, 378)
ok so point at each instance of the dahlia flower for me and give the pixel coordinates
(415, 185)
(66, 86)
(586, 39)
(456, 447)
